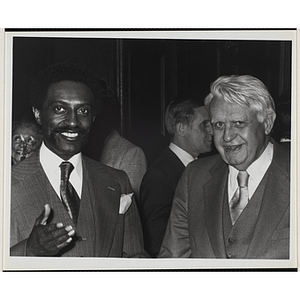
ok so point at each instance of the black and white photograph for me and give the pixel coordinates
(150, 150)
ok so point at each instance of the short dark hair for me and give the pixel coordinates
(65, 71)
(180, 112)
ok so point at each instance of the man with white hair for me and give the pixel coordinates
(235, 204)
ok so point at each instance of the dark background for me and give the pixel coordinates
(147, 74)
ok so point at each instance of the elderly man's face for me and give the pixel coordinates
(238, 135)
(66, 117)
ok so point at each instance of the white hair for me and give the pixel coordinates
(243, 90)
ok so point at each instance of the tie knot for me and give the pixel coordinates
(242, 178)
(66, 168)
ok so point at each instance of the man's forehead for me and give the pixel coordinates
(221, 107)
(72, 102)
(69, 91)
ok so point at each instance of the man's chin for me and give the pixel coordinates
(67, 154)
(64, 146)
(234, 160)
(238, 163)
(65, 151)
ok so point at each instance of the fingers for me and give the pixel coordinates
(64, 244)
(42, 219)
(49, 239)
(61, 236)
(46, 214)
(57, 233)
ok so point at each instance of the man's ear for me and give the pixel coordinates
(37, 115)
(269, 122)
(180, 129)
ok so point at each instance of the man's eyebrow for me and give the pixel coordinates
(68, 101)
(245, 118)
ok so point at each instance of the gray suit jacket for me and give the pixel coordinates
(121, 154)
(101, 230)
(195, 227)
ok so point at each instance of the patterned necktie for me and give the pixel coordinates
(240, 197)
(68, 194)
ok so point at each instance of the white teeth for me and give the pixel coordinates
(232, 147)
(70, 134)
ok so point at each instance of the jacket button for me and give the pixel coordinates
(229, 255)
(230, 240)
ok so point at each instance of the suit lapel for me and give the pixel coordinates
(105, 201)
(214, 191)
(49, 196)
(275, 202)
(37, 191)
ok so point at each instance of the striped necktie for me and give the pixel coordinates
(68, 194)
(240, 197)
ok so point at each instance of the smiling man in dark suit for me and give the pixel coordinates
(235, 204)
(189, 125)
(62, 203)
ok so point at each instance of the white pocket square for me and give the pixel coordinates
(125, 203)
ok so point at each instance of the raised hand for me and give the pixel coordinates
(48, 239)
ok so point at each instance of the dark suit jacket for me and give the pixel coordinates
(157, 192)
(195, 227)
(101, 230)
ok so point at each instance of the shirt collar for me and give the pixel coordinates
(184, 156)
(51, 162)
(256, 171)
(261, 165)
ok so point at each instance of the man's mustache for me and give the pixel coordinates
(77, 129)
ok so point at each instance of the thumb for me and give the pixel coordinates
(42, 219)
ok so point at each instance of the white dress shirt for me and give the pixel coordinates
(51, 162)
(184, 156)
(256, 172)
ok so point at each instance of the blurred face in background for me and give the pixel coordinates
(25, 141)
(198, 134)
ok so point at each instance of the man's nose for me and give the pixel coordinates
(72, 119)
(22, 144)
(229, 134)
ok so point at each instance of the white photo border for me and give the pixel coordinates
(35, 263)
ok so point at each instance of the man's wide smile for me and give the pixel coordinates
(70, 134)
(233, 148)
